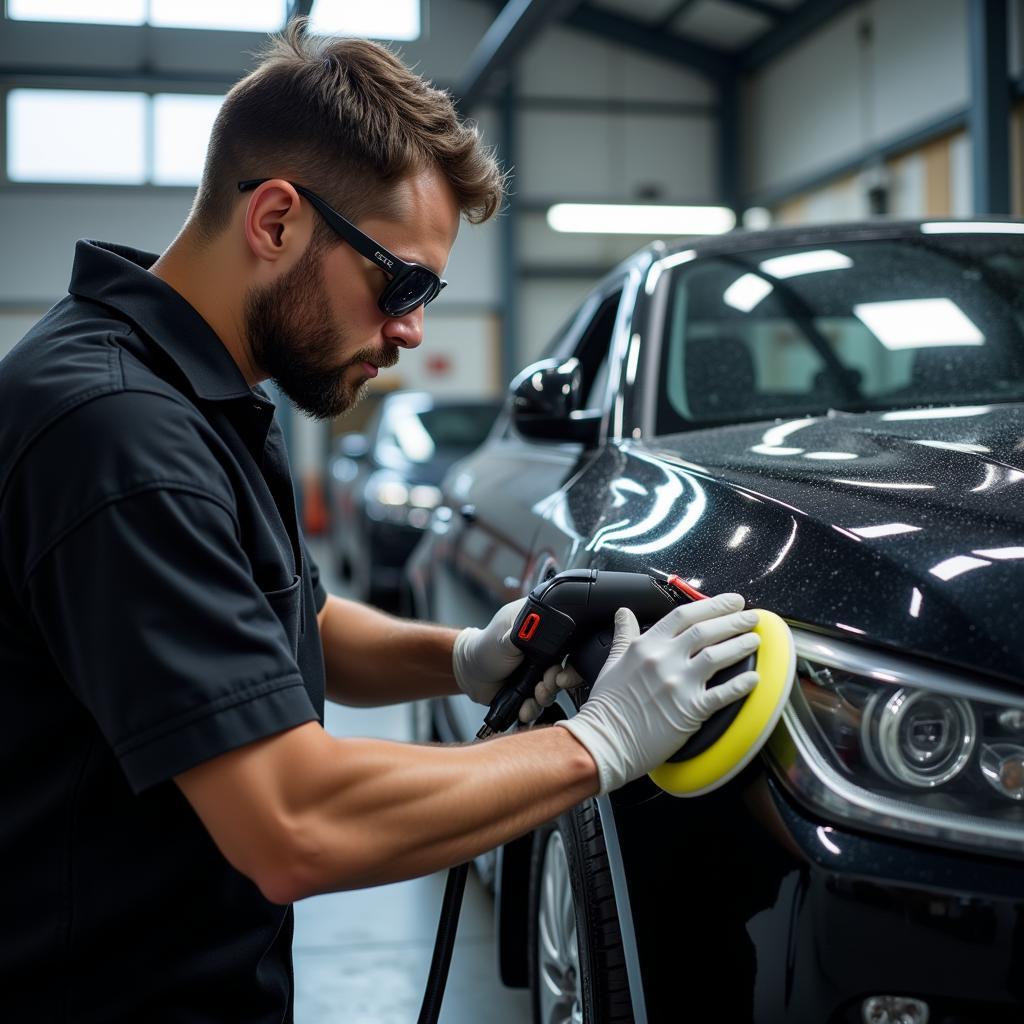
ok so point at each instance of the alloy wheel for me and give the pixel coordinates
(558, 962)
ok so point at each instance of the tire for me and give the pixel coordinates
(576, 962)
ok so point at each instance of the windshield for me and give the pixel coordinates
(895, 323)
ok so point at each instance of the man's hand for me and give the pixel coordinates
(482, 659)
(555, 678)
(651, 696)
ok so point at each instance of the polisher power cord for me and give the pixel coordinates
(444, 943)
(569, 615)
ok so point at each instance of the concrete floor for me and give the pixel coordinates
(362, 957)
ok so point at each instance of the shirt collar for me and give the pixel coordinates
(119, 277)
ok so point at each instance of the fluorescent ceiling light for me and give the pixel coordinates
(394, 19)
(746, 292)
(608, 219)
(918, 323)
(796, 263)
(986, 227)
(831, 456)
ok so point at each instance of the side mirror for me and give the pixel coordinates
(353, 446)
(546, 399)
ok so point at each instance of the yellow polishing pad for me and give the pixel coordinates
(749, 731)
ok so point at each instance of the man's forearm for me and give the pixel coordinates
(408, 810)
(372, 659)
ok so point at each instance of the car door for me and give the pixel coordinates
(495, 499)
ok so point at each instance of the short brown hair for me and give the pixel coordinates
(346, 118)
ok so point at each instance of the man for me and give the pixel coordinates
(165, 643)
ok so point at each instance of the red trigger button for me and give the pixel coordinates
(529, 626)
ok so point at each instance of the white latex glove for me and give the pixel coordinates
(555, 678)
(482, 659)
(650, 697)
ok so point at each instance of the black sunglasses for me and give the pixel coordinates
(410, 286)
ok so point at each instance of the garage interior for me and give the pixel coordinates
(759, 113)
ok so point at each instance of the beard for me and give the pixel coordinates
(291, 336)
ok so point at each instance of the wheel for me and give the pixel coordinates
(577, 964)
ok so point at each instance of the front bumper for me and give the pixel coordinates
(747, 909)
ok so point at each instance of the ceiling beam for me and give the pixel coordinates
(653, 40)
(761, 7)
(298, 9)
(804, 20)
(518, 23)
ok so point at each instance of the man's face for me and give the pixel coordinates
(317, 330)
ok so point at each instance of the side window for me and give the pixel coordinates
(593, 351)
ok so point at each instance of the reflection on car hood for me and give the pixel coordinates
(956, 460)
(906, 528)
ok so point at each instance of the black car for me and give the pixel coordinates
(829, 421)
(382, 484)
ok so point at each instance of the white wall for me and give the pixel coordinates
(831, 97)
(599, 156)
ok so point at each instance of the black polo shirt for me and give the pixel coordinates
(157, 608)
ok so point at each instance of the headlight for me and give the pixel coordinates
(894, 745)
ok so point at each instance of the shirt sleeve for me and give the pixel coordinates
(151, 613)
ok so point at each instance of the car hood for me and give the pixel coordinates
(905, 528)
(953, 465)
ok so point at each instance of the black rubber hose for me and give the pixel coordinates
(447, 926)
(503, 712)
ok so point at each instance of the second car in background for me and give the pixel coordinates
(383, 484)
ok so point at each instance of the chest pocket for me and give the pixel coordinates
(287, 605)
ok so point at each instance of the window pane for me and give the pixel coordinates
(63, 135)
(385, 19)
(181, 127)
(100, 12)
(243, 15)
